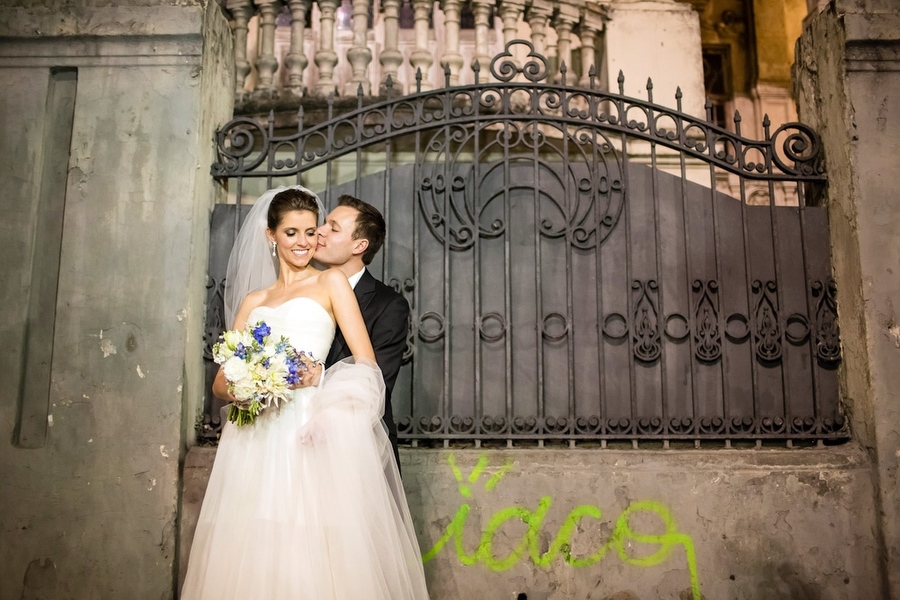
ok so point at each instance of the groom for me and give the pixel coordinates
(351, 236)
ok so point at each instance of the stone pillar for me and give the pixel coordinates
(391, 58)
(482, 13)
(564, 22)
(421, 57)
(510, 12)
(537, 16)
(588, 30)
(326, 58)
(451, 56)
(847, 74)
(670, 33)
(241, 11)
(359, 54)
(109, 116)
(266, 63)
(296, 60)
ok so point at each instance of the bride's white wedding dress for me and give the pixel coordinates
(307, 502)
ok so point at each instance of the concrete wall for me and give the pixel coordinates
(848, 79)
(628, 525)
(107, 112)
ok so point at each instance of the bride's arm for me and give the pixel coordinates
(347, 315)
(220, 386)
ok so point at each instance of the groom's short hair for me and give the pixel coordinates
(369, 225)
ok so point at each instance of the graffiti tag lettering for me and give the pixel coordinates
(623, 536)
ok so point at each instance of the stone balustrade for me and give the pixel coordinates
(312, 48)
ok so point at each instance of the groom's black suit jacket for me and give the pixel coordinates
(386, 314)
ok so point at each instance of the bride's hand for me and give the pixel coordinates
(310, 377)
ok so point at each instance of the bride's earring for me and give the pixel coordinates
(274, 245)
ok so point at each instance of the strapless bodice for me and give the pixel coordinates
(303, 321)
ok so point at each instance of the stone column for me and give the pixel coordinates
(391, 58)
(847, 74)
(359, 54)
(240, 11)
(564, 22)
(589, 28)
(296, 59)
(421, 57)
(451, 56)
(537, 16)
(510, 12)
(482, 12)
(267, 64)
(326, 58)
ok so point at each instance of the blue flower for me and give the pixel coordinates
(261, 331)
(240, 351)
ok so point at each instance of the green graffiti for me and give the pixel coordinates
(620, 541)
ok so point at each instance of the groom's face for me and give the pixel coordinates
(336, 245)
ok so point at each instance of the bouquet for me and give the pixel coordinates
(259, 370)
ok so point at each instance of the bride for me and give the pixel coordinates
(305, 503)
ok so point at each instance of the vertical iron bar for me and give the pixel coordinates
(810, 307)
(329, 143)
(570, 334)
(539, 305)
(688, 271)
(417, 305)
(751, 318)
(779, 292)
(447, 275)
(476, 266)
(598, 228)
(387, 213)
(629, 275)
(507, 305)
(660, 312)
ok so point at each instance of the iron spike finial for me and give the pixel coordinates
(476, 69)
(389, 86)
(272, 116)
(418, 79)
(621, 81)
(708, 105)
(649, 89)
(737, 116)
(678, 94)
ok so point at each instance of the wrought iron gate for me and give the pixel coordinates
(580, 265)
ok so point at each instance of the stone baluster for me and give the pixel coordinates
(266, 63)
(451, 56)
(240, 11)
(421, 57)
(391, 58)
(565, 21)
(296, 60)
(481, 10)
(510, 12)
(537, 16)
(589, 29)
(359, 54)
(326, 58)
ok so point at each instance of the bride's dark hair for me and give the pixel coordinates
(289, 200)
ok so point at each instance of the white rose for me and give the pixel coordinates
(235, 369)
(232, 338)
(244, 390)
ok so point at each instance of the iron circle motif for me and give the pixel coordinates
(487, 321)
(435, 335)
(504, 68)
(797, 329)
(737, 327)
(524, 425)
(491, 424)
(680, 321)
(460, 424)
(621, 326)
(552, 319)
(588, 425)
(432, 424)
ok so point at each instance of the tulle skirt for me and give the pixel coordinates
(307, 503)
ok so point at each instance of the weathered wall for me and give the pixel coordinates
(102, 315)
(848, 76)
(558, 524)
